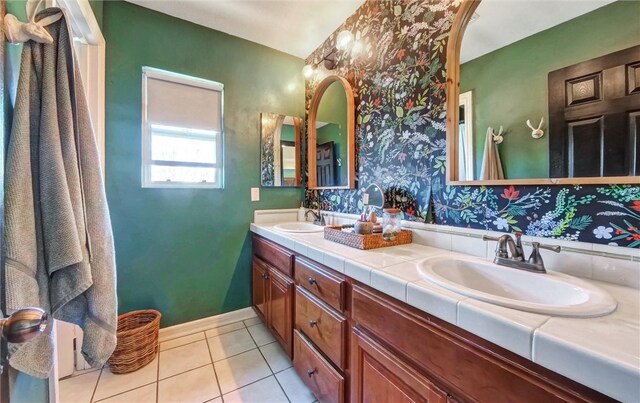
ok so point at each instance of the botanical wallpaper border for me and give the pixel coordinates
(398, 76)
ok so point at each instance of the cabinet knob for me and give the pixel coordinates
(311, 372)
(313, 323)
(265, 276)
(312, 281)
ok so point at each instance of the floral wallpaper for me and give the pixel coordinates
(397, 71)
(268, 123)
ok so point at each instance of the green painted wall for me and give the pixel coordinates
(287, 133)
(510, 84)
(97, 6)
(186, 252)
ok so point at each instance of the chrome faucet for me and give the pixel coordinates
(318, 216)
(516, 260)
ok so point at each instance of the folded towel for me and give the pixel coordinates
(59, 243)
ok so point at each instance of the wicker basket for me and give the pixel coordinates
(371, 241)
(137, 341)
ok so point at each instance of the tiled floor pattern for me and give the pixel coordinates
(240, 362)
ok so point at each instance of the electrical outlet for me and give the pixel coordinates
(255, 194)
(365, 198)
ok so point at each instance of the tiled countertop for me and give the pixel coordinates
(602, 353)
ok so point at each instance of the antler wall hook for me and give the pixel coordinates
(498, 138)
(536, 133)
(20, 32)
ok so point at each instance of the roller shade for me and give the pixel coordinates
(183, 104)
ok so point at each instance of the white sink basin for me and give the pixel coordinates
(552, 293)
(298, 226)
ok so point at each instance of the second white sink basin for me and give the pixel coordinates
(549, 293)
(298, 226)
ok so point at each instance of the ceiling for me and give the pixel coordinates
(296, 27)
(501, 22)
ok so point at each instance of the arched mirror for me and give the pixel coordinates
(555, 100)
(331, 141)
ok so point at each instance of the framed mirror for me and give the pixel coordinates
(331, 141)
(555, 100)
(374, 196)
(279, 150)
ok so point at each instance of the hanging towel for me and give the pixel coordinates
(59, 243)
(491, 164)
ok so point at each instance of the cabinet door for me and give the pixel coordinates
(260, 276)
(379, 376)
(281, 309)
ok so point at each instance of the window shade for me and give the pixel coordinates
(183, 105)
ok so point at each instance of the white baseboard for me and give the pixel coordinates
(200, 325)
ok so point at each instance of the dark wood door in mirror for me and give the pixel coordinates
(594, 108)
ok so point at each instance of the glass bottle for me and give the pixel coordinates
(391, 226)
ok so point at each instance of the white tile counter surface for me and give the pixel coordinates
(602, 353)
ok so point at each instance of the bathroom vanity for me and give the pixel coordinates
(355, 339)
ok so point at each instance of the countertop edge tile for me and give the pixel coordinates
(438, 304)
(357, 271)
(586, 367)
(499, 326)
(389, 284)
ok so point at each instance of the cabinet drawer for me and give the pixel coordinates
(322, 325)
(320, 282)
(275, 255)
(325, 382)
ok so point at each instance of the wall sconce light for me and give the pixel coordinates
(344, 41)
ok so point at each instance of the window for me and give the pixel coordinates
(182, 137)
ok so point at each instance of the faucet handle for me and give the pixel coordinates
(555, 248)
(536, 258)
(501, 247)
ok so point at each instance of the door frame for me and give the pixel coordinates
(90, 48)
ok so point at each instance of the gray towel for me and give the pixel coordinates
(59, 244)
(491, 162)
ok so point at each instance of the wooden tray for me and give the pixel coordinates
(373, 241)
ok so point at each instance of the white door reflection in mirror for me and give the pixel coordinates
(465, 142)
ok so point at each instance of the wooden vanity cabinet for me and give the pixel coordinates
(272, 289)
(406, 354)
(353, 343)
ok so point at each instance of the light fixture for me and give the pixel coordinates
(344, 41)
(309, 70)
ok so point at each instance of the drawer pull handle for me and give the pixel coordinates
(311, 372)
(313, 323)
(312, 281)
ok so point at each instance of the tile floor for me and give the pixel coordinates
(239, 362)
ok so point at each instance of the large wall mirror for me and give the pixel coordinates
(555, 93)
(331, 145)
(279, 150)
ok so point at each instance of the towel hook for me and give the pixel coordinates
(20, 32)
(536, 133)
(498, 138)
